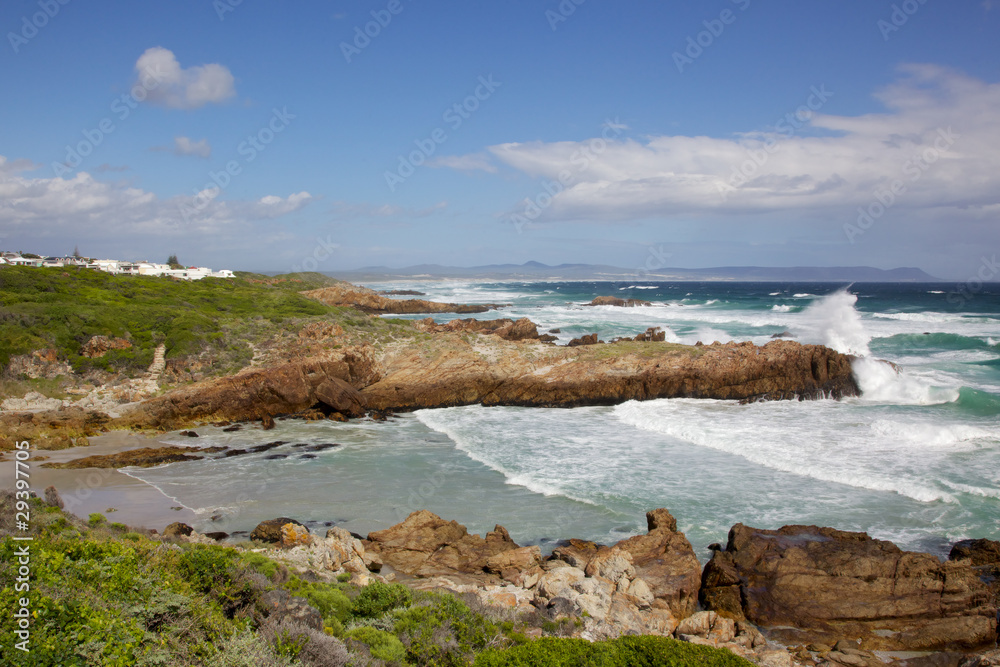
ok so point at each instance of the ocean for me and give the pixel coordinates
(914, 460)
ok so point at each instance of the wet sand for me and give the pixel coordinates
(90, 490)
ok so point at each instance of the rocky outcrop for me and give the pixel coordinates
(652, 335)
(271, 530)
(589, 339)
(425, 545)
(979, 552)
(51, 429)
(177, 529)
(806, 583)
(506, 328)
(457, 372)
(325, 384)
(142, 458)
(98, 346)
(615, 301)
(370, 301)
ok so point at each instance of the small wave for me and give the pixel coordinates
(972, 490)
(935, 291)
(781, 308)
(882, 383)
(775, 294)
(802, 295)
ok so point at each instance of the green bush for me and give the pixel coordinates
(377, 598)
(331, 602)
(382, 645)
(95, 520)
(640, 651)
(440, 629)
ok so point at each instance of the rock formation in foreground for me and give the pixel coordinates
(805, 583)
(370, 301)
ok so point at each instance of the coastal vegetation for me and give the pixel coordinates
(106, 594)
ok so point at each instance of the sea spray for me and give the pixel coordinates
(834, 322)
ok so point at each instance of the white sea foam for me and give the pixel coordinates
(781, 308)
(834, 322)
(881, 383)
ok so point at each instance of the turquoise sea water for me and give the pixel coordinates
(915, 460)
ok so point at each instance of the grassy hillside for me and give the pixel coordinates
(102, 594)
(62, 308)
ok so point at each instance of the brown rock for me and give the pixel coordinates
(425, 545)
(665, 560)
(980, 552)
(142, 458)
(577, 553)
(98, 346)
(988, 659)
(177, 529)
(590, 339)
(516, 560)
(506, 328)
(830, 584)
(270, 530)
(370, 301)
(652, 335)
(295, 535)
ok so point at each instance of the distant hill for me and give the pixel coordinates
(539, 271)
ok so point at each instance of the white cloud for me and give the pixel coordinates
(345, 211)
(170, 85)
(54, 206)
(471, 162)
(829, 163)
(186, 146)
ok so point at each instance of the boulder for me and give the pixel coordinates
(270, 530)
(590, 339)
(279, 604)
(807, 583)
(980, 552)
(425, 545)
(295, 535)
(178, 529)
(98, 346)
(665, 560)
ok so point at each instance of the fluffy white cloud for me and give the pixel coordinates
(186, 146)
(170, 85)
(82, 204)
(938, 140)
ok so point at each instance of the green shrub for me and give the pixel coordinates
(331, 602)
(260, 563)
(95, 520)
(382, 645)
(639, 651)
(440, 629)
(377, 598)
(120, 527)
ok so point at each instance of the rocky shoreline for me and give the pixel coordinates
(800, 595)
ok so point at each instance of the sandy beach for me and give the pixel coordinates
(98, 490)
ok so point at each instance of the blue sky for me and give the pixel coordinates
(717, 133)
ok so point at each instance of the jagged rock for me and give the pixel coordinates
(615, 301)
(589, 339)
(665, 560)
(988, 659)
(218, 535)
(142, 458)
(506, 328)
(178, 529)
(509, 564)
(652, 335)
(576, 552)
(980, 552)
(425, 545)
(270, 530)
(295, 535)
(98, 346)
(807, 583)
(370, 301)
(53, 498)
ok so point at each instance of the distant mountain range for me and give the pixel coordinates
(537, 271)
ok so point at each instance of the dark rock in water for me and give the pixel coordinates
(652, 335)
(231, 429)
(234, 452)
(215, 517)
(308, 456)
(981, 551)
(807, 583)
(615, 301)
(275, 457)
(545, 338)
(177, 529)
(301, 444)
(218, 536)
(213, 450)
(715, 546)
(320, 447)
(263, 448)
(190, 434)
(53, 498)
(143, 458)
(555, 331)
(357, 536)
(270, 530)
(267, 422)
(280, 605)
(783, 334)
(238, 532)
